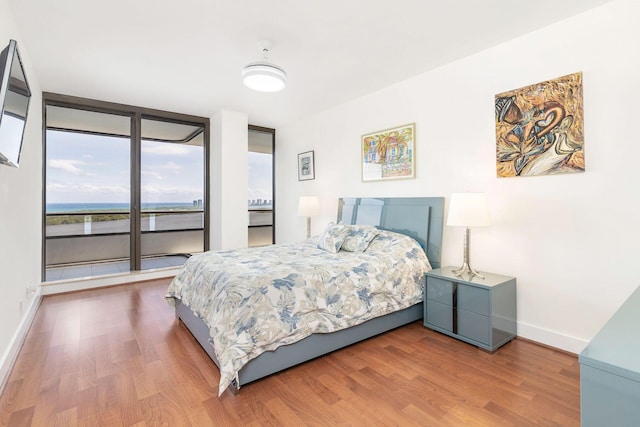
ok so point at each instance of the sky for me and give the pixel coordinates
(85, 168)
(260, 176)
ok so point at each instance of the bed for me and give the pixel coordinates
(249, 357)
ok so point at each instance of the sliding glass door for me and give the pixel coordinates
(125, 190)
(87, 211)
(171, 192)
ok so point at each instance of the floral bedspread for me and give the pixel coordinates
(256, 300)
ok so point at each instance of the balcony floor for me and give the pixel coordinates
(110, 267)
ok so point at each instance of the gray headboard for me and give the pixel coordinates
(419, 217)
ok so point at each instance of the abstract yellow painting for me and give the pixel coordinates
(539, 128)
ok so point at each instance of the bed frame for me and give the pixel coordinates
(418, 217)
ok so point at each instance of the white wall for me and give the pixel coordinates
(20, 209)
(571, 240)
(229, 161)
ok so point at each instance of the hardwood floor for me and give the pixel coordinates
(117, 356)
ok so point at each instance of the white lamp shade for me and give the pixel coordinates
(264, 77)
(308, 206)
(468, 210)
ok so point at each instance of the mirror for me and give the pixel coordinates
(14, 99)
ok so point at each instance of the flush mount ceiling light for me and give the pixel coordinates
(264, 76)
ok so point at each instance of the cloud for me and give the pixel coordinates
(69, 166)
(61, 192)
(171, 193)
(88, 188)
(87, 193)
(171, 166)
(152, 174)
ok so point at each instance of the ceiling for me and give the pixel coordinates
(185, 56)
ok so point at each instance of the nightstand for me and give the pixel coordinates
(479, 311)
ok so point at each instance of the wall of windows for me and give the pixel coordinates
(125, 188)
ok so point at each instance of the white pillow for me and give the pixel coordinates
(332, 238)
(359, 237)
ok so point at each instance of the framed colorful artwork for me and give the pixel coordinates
(306, 166)
(540, 128)
(389, 154)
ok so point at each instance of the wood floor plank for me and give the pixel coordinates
(158, 410)
(87, 404)
(67, 418)
(304, 402)
(21, 418)
(419, 416)
(283, 413)
(351, 414)
(432, 398)
(117, 356)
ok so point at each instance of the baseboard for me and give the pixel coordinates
(10, 356)
(551, 338)
(72, 285)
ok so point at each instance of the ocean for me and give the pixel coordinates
(83, 207)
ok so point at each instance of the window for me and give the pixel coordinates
(125, 190)
(261, 185)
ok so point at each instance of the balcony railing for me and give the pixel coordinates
(104, 235)
(80, 237)
(260, 227)
(109, 222)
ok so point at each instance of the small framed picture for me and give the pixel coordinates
(306, 166)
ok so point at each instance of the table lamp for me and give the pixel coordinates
(308, 206)
(468, 210)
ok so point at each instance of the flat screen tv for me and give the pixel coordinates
(14, 104)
